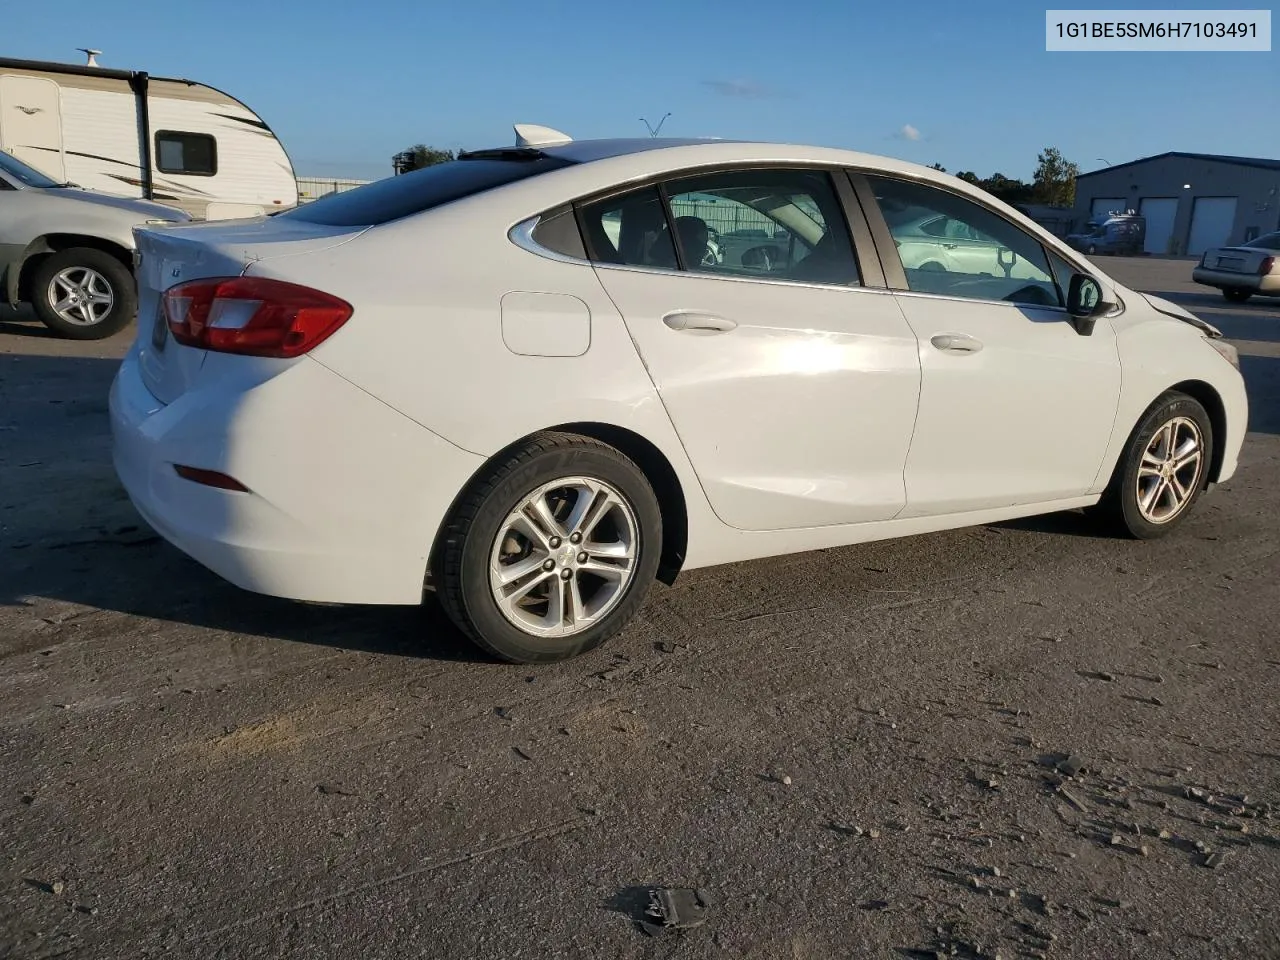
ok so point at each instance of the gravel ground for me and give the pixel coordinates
(1020, 740)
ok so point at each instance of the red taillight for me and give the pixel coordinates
(252, 316)
(209, 478)
(1266, 265)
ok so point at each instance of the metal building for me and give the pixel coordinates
(1191, 201)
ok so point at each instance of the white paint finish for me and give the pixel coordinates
(1024, 419)
(1211, 221)
(1102, 206)
(1159, 213)
(797, 415)
(425, 346)
(1158, 351)
(545, 324)
(321, 521)
(31, 123)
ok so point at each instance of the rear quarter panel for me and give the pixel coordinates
(426, 338)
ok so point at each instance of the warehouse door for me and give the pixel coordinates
(1159, 213)
(1211, 221)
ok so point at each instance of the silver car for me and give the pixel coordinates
(1240, 272)
(69, 252)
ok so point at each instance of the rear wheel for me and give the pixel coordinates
(551, 552)
(84, 294)
(1236, 295)
(1163, 470)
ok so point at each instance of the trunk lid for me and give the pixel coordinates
(1236, 259)
(173, 255)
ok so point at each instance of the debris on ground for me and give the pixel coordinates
(679, 908)
(1071, 766)
(334, 790)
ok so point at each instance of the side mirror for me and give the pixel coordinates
(1084, 302)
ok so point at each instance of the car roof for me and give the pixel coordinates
(710, 150)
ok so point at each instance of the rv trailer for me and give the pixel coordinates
(127, 133)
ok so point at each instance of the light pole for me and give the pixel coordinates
(1104, 160)
(653, 131)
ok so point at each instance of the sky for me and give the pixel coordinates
(965, 84)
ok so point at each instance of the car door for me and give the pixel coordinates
(792, 386)
(1016, 406)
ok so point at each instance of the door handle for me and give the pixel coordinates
(686, 320)
(956, 343)
(950, 246)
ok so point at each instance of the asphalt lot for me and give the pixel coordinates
(192, 770)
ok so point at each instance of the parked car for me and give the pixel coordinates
(1117, 234)
(935, 243)
(566, 400)
(1240, 272)
(69, 252)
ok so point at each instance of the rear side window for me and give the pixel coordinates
(395, 197)
(630, 229)
(193, 154)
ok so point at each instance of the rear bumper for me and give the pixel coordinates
(345, 494)
(1226, 280)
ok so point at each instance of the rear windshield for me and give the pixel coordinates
(1268, 241)
(385, 200)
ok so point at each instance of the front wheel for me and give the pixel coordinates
(1163, 470)
(551, 552)
(84, 294)
(1236, 295)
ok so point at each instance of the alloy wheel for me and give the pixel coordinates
(564, 557)
(81, 295)
(1170, 471)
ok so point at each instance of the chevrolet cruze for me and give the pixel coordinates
(525, 381)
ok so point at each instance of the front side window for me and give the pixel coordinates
(193, 154)
(952, 246)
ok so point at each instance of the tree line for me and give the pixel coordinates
(1052, 184)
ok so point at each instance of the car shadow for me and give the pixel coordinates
(22, 323)
(69, 534)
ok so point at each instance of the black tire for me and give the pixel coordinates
(117, 277)
(1092, 249)
(462, 558)
(1236, 295)
(1119, 508)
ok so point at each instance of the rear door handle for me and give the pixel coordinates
(956, 343)
(687, 320)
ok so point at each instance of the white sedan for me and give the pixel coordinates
(518, 379)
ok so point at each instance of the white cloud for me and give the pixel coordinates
(908, 132)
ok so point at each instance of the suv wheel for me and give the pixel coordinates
(1236, 295)
(84, 294)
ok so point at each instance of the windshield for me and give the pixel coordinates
(24, 174)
